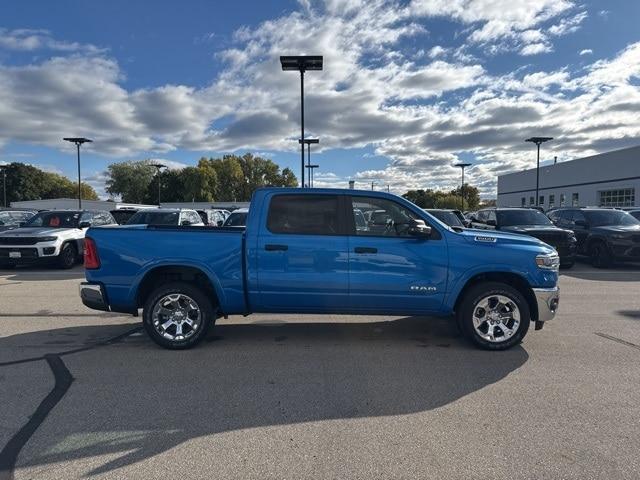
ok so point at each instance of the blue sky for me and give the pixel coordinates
(409, 87)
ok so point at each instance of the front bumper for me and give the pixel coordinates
(92, 295)
(547, 300)
(24, 254)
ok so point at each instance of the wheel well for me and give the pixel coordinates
(512, 279)
(594, 241)
(167, 274)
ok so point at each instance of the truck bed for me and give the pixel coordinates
(128, 253)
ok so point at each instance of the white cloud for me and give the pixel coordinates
(568, 25)
(419, 111)
(535, 48)
(30, 39)
(586, 51)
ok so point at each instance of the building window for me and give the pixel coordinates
(574, 200)
(623, 197)
(552, 201)
(531, 200)
(541, 200)
(524, 201)
(563, 200)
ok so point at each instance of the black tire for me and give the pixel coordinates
(7, 266)
(600, 255)
(568, 265)
(67, 256)
(470, 302)
(207, 316)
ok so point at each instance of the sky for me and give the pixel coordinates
(409, 87)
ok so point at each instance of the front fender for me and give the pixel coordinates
(461, 280)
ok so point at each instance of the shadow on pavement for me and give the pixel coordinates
(136, 401)
(41, 273)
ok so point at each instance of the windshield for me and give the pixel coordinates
(7, 219)
(154, 218)
(449, 218)
(510, 218)
(54, 220)
(605, 218)
(238, 219)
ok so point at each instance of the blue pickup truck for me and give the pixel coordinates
(322, 251)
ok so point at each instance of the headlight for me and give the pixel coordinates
(549, 261)
(572, 238)
(47, 239)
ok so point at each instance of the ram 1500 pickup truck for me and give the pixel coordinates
(303, 252)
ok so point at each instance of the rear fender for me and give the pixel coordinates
(176, 262)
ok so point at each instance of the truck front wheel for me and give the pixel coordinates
(178, 315)
(494, 316)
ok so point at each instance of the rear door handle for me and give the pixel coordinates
(270, 247)
(365, 250)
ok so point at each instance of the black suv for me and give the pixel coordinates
(604, 234)
(529, 221)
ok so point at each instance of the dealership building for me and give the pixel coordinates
(609, 179)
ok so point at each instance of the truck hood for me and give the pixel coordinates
(488, 237)
(35, 232)
(529, 229)
(617, 229)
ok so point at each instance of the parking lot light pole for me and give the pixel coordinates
(311, 167)
(462, 167)
(78, 141)
(159, 166)
(301, 63)
(3, 169)
(308, 142)
(538, 141)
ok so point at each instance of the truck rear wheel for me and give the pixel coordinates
(178, 315)
(494, 316)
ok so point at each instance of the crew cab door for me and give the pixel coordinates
(302, 256)
(391, 271)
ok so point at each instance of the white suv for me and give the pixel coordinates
(54, 236)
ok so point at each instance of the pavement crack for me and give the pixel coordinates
(618, 340)
(10, 452)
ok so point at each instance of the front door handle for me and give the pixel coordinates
(365, 250)
(270, 247)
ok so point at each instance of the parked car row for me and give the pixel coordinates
(56, 237)
(605, 235)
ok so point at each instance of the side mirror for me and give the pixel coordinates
(220, 223)
(185, 223)
(22, 224)
(581, 223)
(492, 223)
(84, 224)
(417, 228)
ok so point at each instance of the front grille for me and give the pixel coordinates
(24, 252)
(19, 240)
(551, 238)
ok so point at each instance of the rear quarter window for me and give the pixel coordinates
(304, 214)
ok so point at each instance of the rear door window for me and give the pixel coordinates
(304, 214)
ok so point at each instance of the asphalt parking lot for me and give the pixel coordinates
(86, 394)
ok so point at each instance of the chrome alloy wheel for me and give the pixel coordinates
(496, 318)
(176, 317)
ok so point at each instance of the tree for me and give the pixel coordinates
(439, 199)
(130, 180)
(196, 185)
(26, 182)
